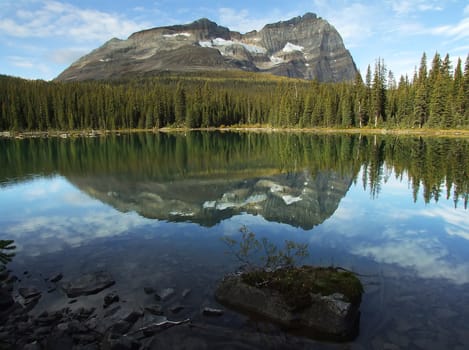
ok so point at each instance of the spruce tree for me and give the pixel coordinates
(458, 94)
(421, 94)
(180, 105)
(378, 95)
(359, 100)
(466, 91)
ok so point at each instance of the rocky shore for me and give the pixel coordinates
(116, 324)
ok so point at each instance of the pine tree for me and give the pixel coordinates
(421, 95)
(378, 95)
(458, 94)
(346, 107)
(180, 105)
(359, 98)
(437, 103)
(466, 91)
(308, 111)
(446, 76)
(391, 99)
(404, 113)
(368, 108)
(434, 70)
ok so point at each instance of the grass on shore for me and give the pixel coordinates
(247, 128)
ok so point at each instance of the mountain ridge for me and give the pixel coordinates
(306, 47)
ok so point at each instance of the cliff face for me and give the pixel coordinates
(304, 47)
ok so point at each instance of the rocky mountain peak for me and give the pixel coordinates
(302, 47)
(293, 21)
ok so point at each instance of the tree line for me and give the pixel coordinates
(437, 97)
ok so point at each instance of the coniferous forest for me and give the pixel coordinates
(435, 97)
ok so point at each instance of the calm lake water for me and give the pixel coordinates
(151, 209)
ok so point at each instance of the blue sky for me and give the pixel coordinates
(40, 38)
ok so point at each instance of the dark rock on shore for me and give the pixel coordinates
(67, 329)
(88, 284)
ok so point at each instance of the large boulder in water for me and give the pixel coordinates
(320, 302)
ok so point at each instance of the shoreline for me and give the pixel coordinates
(255, 129)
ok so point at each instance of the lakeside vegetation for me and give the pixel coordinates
(435, 98)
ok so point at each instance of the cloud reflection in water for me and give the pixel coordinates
(60, 216)
(418, 237)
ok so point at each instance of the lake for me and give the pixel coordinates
(151, 209)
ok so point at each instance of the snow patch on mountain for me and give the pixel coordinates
(222, 43)
(175, 35)
(276, 60)
(289, 47)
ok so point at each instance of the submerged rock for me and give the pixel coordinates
(186, 292)
(88, 284)
(29, 292)
(56, 278)
(110, 298)
(165, 294)
(155, 309)
(283, 297)
(210, 311)
(149, 290)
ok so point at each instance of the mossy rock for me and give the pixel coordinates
(318, 302)
(296, 284)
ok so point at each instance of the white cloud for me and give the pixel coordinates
(56, 19)
(407, 29)
(348, 21)
(33, 64)
(10, 27)
(347, 18)
(461, 51)
(457, 32)
(403, 7)
(20, 62)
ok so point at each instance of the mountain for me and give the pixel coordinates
(305, 47)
